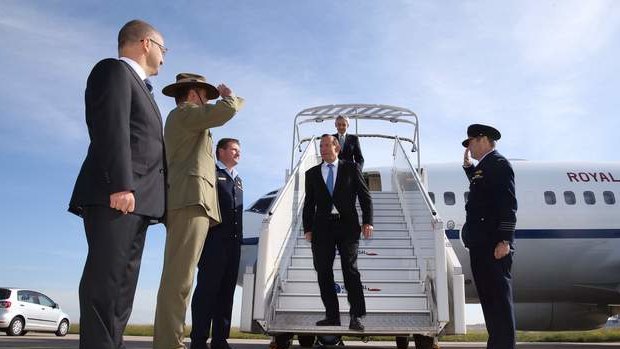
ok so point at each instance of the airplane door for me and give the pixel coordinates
(373, 180)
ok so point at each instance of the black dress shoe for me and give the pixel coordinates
(220, 345)
(196, 345)
(328, 322)
(356, 324)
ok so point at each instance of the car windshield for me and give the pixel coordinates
(5, 293)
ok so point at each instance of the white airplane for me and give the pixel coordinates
(566, 272)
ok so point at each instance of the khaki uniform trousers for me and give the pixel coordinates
(186, 231)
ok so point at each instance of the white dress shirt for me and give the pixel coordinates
(135, 66)
(325, 172)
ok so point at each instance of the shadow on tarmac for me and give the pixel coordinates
(41, 341)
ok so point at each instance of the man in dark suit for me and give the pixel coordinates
(218, 267)
(120, 189)
(489, 231)
(331, 221)
(350, 149)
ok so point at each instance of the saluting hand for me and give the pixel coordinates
(123, 201)
(467, 158)
(367, 231)
(225, 91)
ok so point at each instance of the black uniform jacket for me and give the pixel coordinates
(318, 203)
(230, 198)
(126, 150)
(351, 151)
(491, 205)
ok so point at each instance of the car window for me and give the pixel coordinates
(27, 296)
(5, 293)
(44, 300)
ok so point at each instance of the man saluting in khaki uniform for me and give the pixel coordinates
(192, 198)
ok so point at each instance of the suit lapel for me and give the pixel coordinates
(146, 91)
(339, 177)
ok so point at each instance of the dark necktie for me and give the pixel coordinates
(149, 86)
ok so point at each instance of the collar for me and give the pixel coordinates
(483, 156)
(232, 173)
(335, 163)
(343, 135)
(135, 66)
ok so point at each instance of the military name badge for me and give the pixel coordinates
(221, 178)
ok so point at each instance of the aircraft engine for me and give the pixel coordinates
(560, 316)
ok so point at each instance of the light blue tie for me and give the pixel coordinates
(330, 179)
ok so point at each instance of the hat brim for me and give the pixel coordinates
(173, 90)
(465, 143)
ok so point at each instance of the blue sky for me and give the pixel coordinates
(546, 73)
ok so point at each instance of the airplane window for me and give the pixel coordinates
(432, 195)
(466, 196)
(261, 205)
(449, 198)
(589, 198)
(569, 198)
(609, 197)
(550, 198)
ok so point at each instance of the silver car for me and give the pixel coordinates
(24, 310)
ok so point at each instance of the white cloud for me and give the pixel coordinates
(555, 35)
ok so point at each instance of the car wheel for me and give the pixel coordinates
(15, 327)
(63, 328)
(23, 333)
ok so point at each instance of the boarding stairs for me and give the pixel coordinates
(391, 276)
(413, 283)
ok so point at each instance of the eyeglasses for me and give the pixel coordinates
(163, 48)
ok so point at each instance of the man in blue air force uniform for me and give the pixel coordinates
(212, 302)
(489, 231)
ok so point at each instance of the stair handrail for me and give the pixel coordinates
(276, 230)
(418, 181)
(440, 275)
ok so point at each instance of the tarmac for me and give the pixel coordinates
(50, 341)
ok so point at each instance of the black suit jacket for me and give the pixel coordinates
(492, 204)
(349, 185)
(126, 150)
(351, 151)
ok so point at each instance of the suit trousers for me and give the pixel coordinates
(186, 230)
(212, 302)
(494, 285)
(108, 284)
(323, 255)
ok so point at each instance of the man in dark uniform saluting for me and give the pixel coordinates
(212, 302)
(489, 231)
